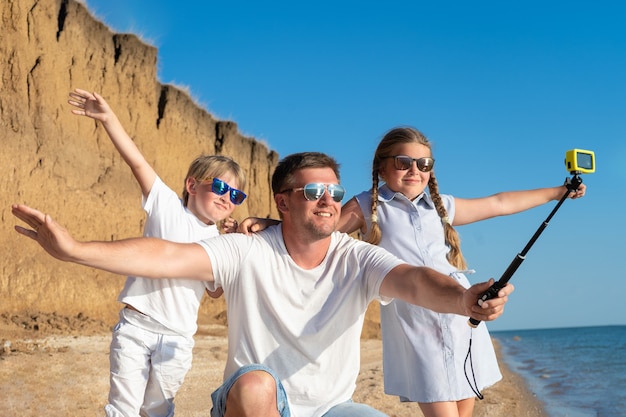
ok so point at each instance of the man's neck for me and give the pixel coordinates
(306, 253)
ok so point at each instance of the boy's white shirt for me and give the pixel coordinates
(172, 302)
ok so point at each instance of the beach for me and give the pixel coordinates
(62, 370)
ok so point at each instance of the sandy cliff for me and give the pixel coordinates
(66, 165)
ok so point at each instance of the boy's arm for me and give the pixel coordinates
(95, 107)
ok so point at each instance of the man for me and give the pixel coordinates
(296, 293)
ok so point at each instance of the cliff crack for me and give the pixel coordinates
(31, 77)
(221, 131)
(61, 18)
(118, 48)
(162, 104)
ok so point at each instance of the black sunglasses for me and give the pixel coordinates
(403, 162)
(219, 187)
(315, 190)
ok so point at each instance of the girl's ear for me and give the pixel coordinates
(381, 173)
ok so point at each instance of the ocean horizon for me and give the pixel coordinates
(574, 371)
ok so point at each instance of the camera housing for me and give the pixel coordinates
(580, 161)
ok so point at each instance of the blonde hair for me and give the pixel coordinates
(410, 135)
(212, 166)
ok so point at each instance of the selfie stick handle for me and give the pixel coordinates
(572, 184)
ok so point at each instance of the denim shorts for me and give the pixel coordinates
(347, 409)
(219, 395)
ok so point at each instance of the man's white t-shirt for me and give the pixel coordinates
(304, 324)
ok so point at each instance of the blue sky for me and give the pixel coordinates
(502, 89)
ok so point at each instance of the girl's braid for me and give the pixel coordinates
(375, 234)
(455, 257)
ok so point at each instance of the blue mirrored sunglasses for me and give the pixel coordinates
(315, 190)
(219, 187)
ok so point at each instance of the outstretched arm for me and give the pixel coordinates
(428, 288)
(145, 257)
(95, 107)
(510, 202)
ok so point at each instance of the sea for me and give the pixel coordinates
(576, 372)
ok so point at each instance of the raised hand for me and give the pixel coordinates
(91, 105)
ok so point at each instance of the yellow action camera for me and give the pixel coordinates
(580, 161)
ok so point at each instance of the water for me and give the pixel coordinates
(576, 372)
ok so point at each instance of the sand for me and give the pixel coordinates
(61, 369)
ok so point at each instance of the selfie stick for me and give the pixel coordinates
(572, 184)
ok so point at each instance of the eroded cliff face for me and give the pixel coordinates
(66, 165)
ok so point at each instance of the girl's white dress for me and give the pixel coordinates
(424, 352)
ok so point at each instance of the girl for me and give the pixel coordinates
(423, 351)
